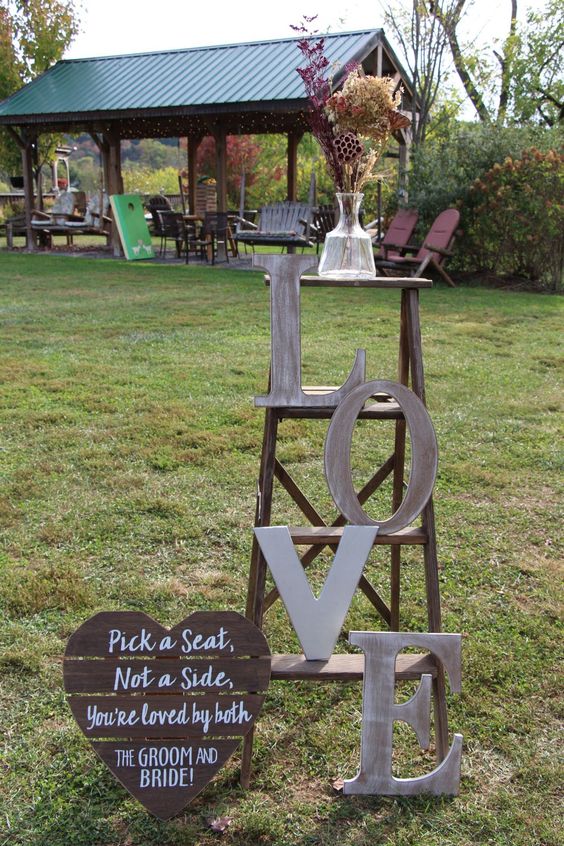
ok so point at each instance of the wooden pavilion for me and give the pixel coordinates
(224, 90)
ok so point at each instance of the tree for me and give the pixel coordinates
(517, 80)
(242, 155)
(424, 45)
(528, 69)
(474, 72)
(538, 68)
(40, 32)
(33, 35)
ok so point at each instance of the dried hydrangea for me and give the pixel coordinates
(364, 105)
(353, 125)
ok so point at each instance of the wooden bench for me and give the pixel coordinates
(284, 224)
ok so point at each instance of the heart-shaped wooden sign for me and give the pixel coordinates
(165, 708)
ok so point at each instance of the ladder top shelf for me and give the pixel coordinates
(379, 282)
(308, 281)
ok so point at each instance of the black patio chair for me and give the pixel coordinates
(213, 233)
(154, 205)
(171, 227)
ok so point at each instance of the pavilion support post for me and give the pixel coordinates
(193, 144)
(27, 169)
(38, 177)
(26, 142)
(221, 168)
(111, 157)
(104, 150)
(379, 63)
(403, 165)
(294, 139)
(116, 179)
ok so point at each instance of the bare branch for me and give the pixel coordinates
(449, 21)
(505, 62)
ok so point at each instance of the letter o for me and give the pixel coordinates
(424, 455)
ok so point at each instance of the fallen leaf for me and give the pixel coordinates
(338, 785)
(219, 824)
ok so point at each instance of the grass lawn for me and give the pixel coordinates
(129, 456)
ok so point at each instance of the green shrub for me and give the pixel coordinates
(146, 181)
(516, 217)
(12, 209)
(444, 171)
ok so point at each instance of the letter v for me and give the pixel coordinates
(317, 621)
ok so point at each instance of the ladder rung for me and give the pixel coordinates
(324, 535)
(346, 667)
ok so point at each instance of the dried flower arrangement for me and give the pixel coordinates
(352, 125)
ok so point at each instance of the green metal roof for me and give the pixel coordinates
(252, 73)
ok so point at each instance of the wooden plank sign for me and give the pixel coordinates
(165, 708)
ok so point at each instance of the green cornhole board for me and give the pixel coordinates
(132, 226)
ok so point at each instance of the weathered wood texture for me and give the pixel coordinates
(280, 225)
(328, 535)
(424, 456)
(167, 787)
(287, 398)
(152, 716)
(379, 711)
(286, 353)
(391, 282)
(346, 668)
(144, 636)
(166, 707)
(110, 675)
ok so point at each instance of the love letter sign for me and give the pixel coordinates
(165, 708)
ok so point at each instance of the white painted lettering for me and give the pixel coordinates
(199, 643)
(165, 756)
(207, 679)
(167, 643)
(201, 715)
(166, 680)
(126, 679)
(97, 718)
(141, 642)
(206, 756)
(234, 714)
(182, 777)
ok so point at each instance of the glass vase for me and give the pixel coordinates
(347, 251)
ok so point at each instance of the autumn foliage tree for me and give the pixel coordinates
(33, 35)
(242, 152)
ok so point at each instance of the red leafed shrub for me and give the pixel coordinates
(242, 157)
(515, 216)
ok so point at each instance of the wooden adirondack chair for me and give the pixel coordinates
(63, 220)
(53, 222)
(398, 234)
(96, 220)
(430, 255)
